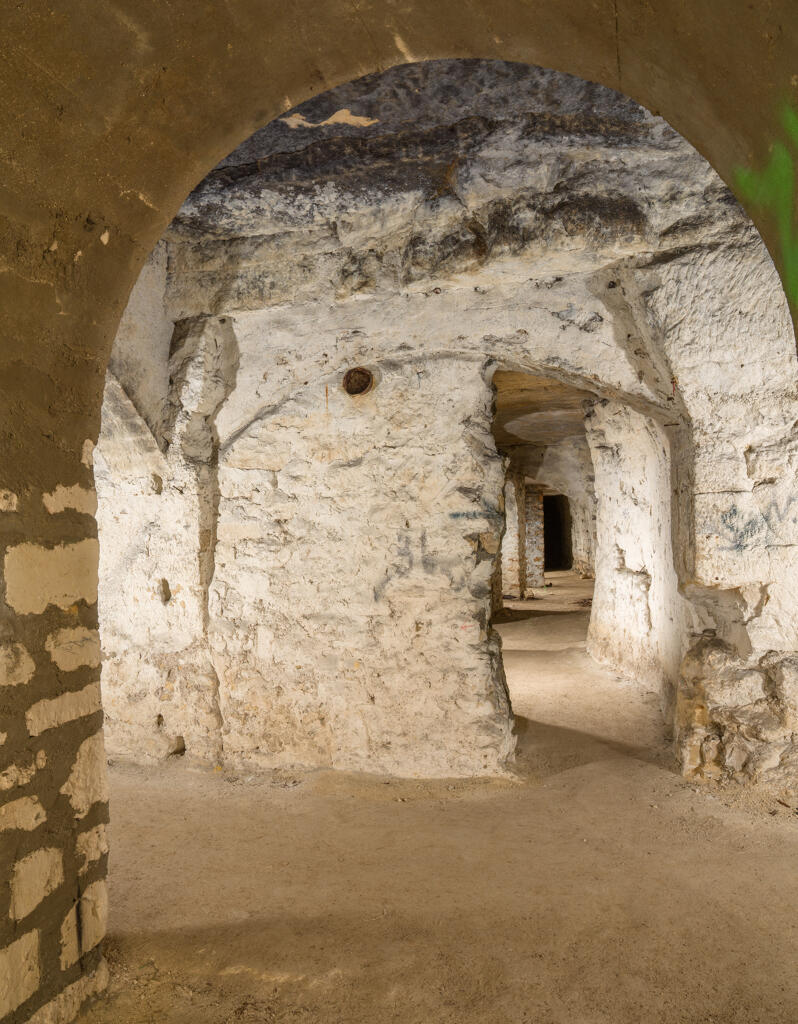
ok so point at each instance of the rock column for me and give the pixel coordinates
(534, 538)
(514, 540)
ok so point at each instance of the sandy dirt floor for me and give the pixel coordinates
(596, 888)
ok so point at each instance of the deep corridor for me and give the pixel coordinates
(557, 533)
(567, 706)
(599, 195)
(334, 897)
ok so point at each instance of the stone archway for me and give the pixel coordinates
(101, 146)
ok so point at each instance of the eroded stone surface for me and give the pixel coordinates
(21, 774)
(16, 665)
(74, 648)
(91, 845)
(514, 538)
(93, 913)
(70, 947)
(533, 524)
(8, 501)
(640, 623)
(301, 576)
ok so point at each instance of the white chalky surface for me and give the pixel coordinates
(295, 576)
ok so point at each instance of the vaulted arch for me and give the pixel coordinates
(112, 113)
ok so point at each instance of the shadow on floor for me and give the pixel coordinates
(515, 615)
(549, 749)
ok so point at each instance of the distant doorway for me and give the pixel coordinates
(557, 547)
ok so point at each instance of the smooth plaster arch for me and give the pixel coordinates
(110, 117)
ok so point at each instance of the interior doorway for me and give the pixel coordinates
(561, 577)
(342, 632)
(557, 544)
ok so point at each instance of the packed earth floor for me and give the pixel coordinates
(594, 886)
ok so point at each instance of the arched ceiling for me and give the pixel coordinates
(535, 411)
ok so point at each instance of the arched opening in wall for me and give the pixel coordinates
(305, 496)
(585, 594)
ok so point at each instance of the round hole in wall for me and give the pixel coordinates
(165, 591)
(177, 747)
(358, 380)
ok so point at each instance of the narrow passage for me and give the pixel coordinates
(569, 709)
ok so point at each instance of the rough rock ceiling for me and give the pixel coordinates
(535, 410)
(436, 173)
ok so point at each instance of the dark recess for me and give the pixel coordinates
(358, 381)
(557, 552)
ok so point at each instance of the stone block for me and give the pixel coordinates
(16, 665)
(93, 910)
(25, 814)
(75, 497)
(48, 714)
(33, 878)
(74, 648)
(19, 972)
(17, 775)
(70, 950)
(87, 783)
(91, 845)
(85, 924)
(37, 576)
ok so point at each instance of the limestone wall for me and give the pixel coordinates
(371, 522)
(736, 708)
(349, 606)
(595, 248)
(157, 515)
(640, 624)
(346, 618)
(535, 563)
